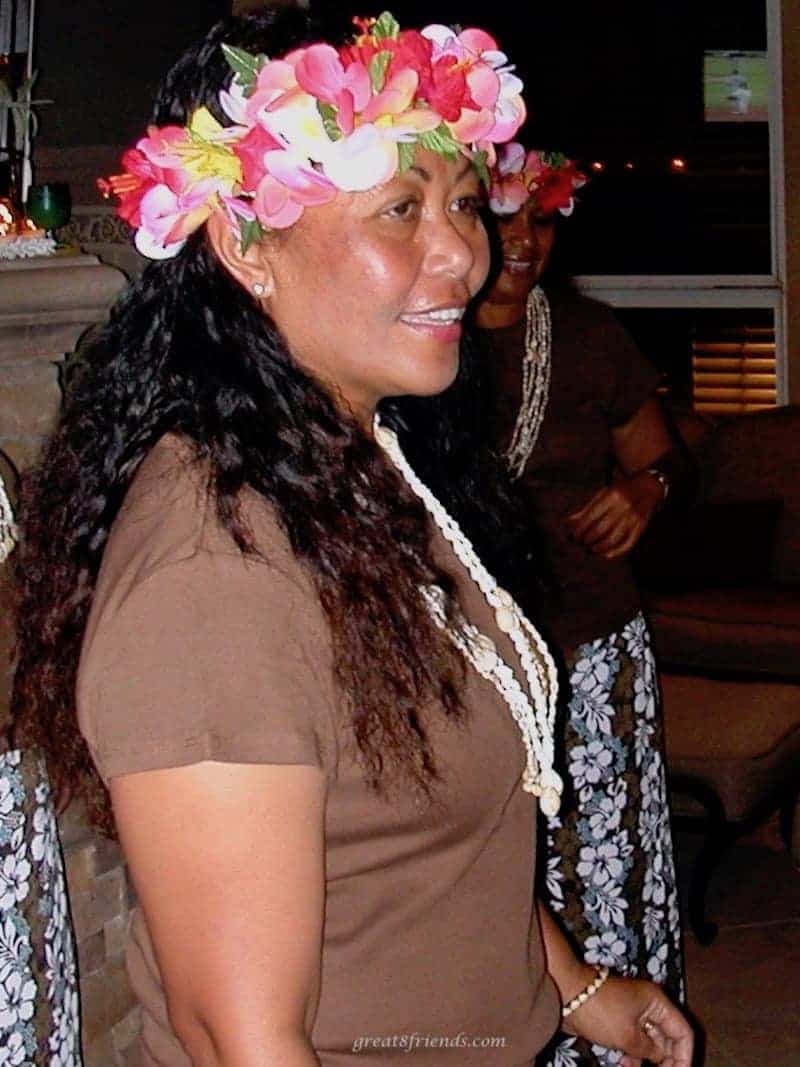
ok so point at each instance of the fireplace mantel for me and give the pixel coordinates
(46, 304)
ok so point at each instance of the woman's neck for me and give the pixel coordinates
(491, 316)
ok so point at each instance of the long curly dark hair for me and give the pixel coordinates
(187, 350)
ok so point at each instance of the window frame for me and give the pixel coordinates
(740, 291)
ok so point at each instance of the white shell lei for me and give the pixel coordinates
(535, 382)
(8, 529)
(534, 713)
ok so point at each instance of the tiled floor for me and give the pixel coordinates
(745, 987)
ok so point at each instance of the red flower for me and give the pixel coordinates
(449, 93)
(250, 151)
(412, 51)
(555, 188)
(139, 177)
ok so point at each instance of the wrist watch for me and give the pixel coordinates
(662, 480)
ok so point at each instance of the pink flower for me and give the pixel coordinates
(168, 215)
(251, 151)
(320, 73)
(289, 186)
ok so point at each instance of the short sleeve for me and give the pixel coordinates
(215, 657)
(632, 379)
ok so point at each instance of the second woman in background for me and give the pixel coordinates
(592, 457)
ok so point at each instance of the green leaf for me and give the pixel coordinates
(555, 159)
(250, 232)
(385, 27)
(327, 112)
(442, 141)
(406, 150)
(480, 165)
(378, 66)
(244, 65)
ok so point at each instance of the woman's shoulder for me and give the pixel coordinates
(169, 517)
(568, 302)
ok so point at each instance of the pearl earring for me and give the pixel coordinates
(259, 289)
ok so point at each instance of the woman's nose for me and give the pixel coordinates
(449, 250)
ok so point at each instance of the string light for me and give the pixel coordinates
(678, 164)
(597, 166)
(629, 165)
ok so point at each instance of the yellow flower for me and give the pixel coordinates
(207, 154)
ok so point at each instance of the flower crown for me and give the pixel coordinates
(549, 177)
(316, 121)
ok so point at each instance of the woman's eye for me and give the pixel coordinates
(404, 210)
(469, 205)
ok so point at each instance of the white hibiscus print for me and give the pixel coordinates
(15, 873)
(590, 764)
(605, 811)
(566, 1055)
(657, 964)
(15, 950)
(601, 864)
(13, 1052)
(609, 948)
(17, 996)
(608, 904)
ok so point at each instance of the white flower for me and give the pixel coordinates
(608, 903)
(15, 949)
(606, 1057)
(600, 865)
(653, 926)
(12, 1050)
(655, 889)
(553, 882)
(14, 885)
(605, 812)
(608, 948)
(657, 964)
(566, 1055)
(44, 834)
(590, 764)
(6, 798)
(17, 996)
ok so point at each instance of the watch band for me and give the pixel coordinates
(661, 478)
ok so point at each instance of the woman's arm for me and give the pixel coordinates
(626, 1013)
(228, 862)
(616, 516)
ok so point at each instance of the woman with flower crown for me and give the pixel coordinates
(318, 725)
(592, 458)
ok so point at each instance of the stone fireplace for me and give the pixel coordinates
(46, 304)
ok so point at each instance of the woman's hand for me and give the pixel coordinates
(638, 1018)
(616, 516)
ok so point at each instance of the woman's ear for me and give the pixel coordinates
(252, 268)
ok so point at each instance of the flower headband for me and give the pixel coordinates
(316, 121)
(549, 177)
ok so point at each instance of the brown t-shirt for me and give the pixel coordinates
(599, 380)
(194, 653)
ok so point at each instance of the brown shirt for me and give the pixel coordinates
(599, 380)
(193, 653)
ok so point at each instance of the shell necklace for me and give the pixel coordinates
(534, 712)
(535, 382)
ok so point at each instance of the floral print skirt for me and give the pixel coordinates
(610, 871)
(39, 1011)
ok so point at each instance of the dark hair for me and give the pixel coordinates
(187, 350)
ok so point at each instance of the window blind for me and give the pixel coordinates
(733, 370)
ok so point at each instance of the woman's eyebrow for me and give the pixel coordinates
(426, 176)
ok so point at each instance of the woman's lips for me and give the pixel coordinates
(444, 324)
(518, 266)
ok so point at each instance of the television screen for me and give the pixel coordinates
(735, 86)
